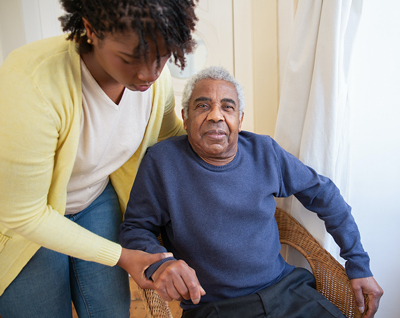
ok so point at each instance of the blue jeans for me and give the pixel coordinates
(50, 281)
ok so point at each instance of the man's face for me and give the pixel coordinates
(213, 122)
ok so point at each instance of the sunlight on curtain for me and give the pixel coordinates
(313, 116)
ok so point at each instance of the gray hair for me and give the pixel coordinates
(212, 72)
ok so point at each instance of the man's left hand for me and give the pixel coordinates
(369, 286)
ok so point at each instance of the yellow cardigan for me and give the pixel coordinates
(40, 113)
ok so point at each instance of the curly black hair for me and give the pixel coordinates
(174, 19)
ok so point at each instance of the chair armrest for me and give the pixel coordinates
(330, 275)
(155, 306)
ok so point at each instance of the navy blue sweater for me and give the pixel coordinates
(220, 219)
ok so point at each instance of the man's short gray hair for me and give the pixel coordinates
(212, 72)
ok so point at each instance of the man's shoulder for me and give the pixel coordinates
(168, 146)
(260, 146)
(253, 138)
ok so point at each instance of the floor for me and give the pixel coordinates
(137, 306)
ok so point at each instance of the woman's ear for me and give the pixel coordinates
(91, 36)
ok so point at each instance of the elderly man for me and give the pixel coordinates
(211, 195)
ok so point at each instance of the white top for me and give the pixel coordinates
(110, 135)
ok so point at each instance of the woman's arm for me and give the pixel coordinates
(36, 160)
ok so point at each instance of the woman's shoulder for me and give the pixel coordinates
(47, 53)
(48, 72)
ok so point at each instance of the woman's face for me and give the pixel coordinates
(114, 60)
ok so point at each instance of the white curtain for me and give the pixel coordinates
(313, 116)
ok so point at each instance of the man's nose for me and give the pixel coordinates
(149, 71)
(215, 114)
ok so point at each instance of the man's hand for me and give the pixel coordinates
(370, 287)
(136, 262)
(176, 280)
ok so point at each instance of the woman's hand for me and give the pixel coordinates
(136, 262)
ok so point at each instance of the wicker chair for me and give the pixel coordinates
(331, 278)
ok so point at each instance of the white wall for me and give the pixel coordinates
(25, 21)
(375, 144)
(12, 34)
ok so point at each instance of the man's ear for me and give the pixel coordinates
(184, 119)
(240, 122)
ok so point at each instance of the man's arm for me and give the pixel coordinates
(319, 194)
(146, 213)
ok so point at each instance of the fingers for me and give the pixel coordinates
(145, 283)
(359, 299)
(368, 286)
(149, 259)
(179, 288)
(202, 293)
(172, 291)
(373, 304)
(176, 280)
(191, 288)
(136, 262)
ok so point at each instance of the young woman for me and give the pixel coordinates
(77, 115)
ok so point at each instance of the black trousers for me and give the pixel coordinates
(294, 296)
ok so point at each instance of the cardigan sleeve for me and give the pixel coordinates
(171, 124)
(29, 163)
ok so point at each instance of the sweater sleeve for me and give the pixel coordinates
(146, 213)
(319, 194)
(30, 144)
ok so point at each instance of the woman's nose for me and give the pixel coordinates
(149, 72)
